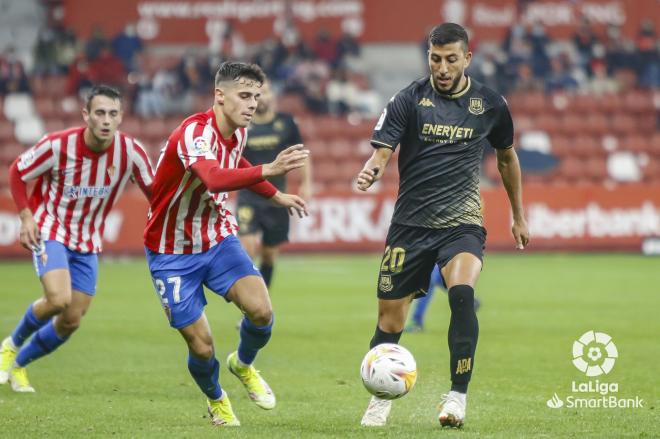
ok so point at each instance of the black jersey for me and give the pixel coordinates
(442, 139)
(265, 141)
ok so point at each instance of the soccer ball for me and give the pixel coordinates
(388, 371)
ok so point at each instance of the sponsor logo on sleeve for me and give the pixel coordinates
(200, 146)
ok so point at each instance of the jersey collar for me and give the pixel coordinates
(453, 95)
(87, 152)
(232, 141)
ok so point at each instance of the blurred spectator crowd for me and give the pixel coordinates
(585, 108)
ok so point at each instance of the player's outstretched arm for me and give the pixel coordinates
(374, 168)
(29, 234)
(293, 157)
(293, 203)
(509, 167)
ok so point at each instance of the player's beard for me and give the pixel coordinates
(454, 86)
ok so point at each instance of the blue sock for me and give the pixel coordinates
(26, 327)
(205, 373)
(253, 338)
(43, 343)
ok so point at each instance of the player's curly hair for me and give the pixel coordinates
(447, 33)
(232, 70)
(101, 90)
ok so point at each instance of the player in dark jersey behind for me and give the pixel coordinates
(442, 122)
(270, 133)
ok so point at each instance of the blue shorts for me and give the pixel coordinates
(179, 279)
(83, 267)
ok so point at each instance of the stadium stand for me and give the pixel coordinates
(592, 115)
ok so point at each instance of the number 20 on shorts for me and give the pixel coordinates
(393, 259)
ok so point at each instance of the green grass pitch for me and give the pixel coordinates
(124, 373)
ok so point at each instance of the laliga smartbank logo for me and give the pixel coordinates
(594, 354)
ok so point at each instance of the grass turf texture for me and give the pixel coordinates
(124, 373)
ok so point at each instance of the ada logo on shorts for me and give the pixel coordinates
(200, 146)
(385, 283)
(594, 353)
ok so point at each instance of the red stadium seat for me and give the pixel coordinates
(655, 143)
(571, 124)
(6, 131)
(636, 143)
(46, 107)
(10, 151)
(490, 168)
(154, 131)
(596, 169)
(131, 126)
(325, 171)
(595, 124)
(52, 125)
(638, 102)
(623, 124)
(562, 145)
(548, 123)
(291, 103)
(587, 146)
(534, 103)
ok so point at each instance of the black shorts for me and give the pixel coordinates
(271, 221)
(411, 253)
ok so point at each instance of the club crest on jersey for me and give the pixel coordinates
(385, 283)
(111, 171)
(476, 106)
(426, 102)
(201, 146)
(278, 125)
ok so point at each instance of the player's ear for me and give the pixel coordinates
(219, 96)
(85, 114)
(468, 58)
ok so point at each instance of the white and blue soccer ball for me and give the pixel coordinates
(389, 371)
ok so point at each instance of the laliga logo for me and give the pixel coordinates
(594, 353)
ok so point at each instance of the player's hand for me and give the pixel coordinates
(293, 203)
(520, 233)
(293, 157)
(29, 234)
(367, 177)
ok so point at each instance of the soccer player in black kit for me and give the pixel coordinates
(442, 122)
(270, 133)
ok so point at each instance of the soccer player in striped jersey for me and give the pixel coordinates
(190, 235)
(79, 173)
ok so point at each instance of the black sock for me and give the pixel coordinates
(462, 336)
(267, 273)
(381, 337)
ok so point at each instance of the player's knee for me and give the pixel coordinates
(390, 325)
(58, 303)
(67, 326)
(461, 297)
(390, 322)
(202, 350)
(268, 257)
(261, 316)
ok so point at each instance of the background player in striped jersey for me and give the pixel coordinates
(80, 173)
(190, 240)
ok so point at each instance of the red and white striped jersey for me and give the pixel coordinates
(77, 187)
(185, 217)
